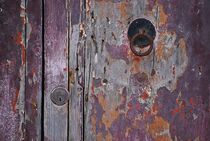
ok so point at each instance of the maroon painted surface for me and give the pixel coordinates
(193, 17)
(195, 100)
(12, 61)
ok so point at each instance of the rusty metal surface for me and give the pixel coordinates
(161, 97)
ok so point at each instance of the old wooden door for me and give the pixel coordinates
(49, 47)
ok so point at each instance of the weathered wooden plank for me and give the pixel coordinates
(33, 86)
(12, 72)
(56, 68)
(162, 96)
(76, 70)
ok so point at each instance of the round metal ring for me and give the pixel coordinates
(139, 53)
(141, 34)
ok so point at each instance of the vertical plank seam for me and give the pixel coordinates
(68, 58)
(43, 73)
(84, 46)
(23, 127)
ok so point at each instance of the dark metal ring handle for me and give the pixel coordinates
(141, 34)
(139, 53)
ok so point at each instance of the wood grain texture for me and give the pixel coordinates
(33, 86)
(76, 70)
(114, 94)
(163, 96)
(56, 68)
(12, 70)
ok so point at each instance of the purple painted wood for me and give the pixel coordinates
(56, 68)
(12, 70)
(160, 97)
(33, 86)
(114, 94)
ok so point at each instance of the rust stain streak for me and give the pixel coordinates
(14, 101)
(20, 42)
(163, 17)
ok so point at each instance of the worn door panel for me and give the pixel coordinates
(162, 96)
(20, 75)
(76, 69)
(33, 83)
(82, 45)
(12, 72)
(55, 68)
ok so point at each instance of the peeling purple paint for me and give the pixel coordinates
(118, 52)
(75, 11)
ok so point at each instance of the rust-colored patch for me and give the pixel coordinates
(174, 70)
(14, 101)
(110, 112)
(182, 105)
(154, 109)
(109, 137)
(20, 42)
(159, 50)
(88, 6)
(135, 65)
(163, 138)
(163, 17)
(145, 95)
(109, 117)
(156, 8)
(99, 137)
(71, 76)
(92, 88)
(93, 122)
(162, 51)
(108, 1)
(159, 129)
(182, 43)
(123, 10)
(192, 101)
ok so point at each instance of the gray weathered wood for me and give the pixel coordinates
(56, 68)
(76, 70)
(156, 97)
(33, 86)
